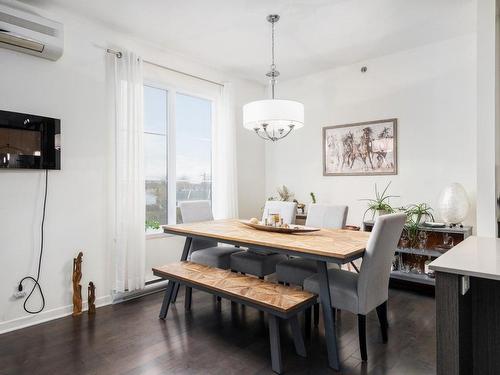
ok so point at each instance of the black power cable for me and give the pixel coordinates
(36, 284)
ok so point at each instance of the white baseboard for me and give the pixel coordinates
(148, 289)
(44, 316)
(60, 312)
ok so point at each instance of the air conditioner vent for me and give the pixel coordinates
(19, 41)
(24, 23)
(29, 33)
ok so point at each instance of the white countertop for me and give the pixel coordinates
(475, 256)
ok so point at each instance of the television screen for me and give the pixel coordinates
(29, 141)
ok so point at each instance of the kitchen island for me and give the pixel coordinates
(468, 308)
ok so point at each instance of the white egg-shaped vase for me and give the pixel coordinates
(453, 204)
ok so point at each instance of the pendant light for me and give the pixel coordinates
(273, 119)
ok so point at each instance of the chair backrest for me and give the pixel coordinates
(373, 281)
(326, 216)
(195, 211)
(287, 210)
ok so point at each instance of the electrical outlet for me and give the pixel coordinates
(19, 294)
(465, 284)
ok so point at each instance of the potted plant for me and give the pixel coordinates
(152, 225)
(419, 213)
(284, 194)
(416, 215)
(380, 204)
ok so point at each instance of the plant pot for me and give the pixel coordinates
(380, 213)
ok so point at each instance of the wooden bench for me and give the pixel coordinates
(279, 301)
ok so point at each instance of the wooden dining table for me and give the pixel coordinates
(324, 246)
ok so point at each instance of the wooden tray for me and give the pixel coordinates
(294, 228)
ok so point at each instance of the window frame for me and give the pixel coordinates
(171, 162)
(167, 135)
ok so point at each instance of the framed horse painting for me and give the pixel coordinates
(360, 149)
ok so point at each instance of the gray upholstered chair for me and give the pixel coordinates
(368, 290)
(261, 262)
(296, 270)
(205, 252)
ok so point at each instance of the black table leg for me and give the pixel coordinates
(187, 298)
(187, 246)
(167, 299)
(326, 303)
(307, 322)
(176, 291)
(173, 288)
(316, 314)
(185, 252)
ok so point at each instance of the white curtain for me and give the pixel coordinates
(125, 88)
(224, 182)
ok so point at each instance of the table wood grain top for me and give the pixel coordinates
(334, 243)
(264, 293)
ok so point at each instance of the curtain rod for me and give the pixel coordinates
(118, 54)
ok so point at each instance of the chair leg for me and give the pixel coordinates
(362, 336)
(187, 298)
(274, 337)
(307, 322)
(382, 317)
(316, 314)
(300, 348)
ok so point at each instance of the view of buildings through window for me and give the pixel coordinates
(193, 149)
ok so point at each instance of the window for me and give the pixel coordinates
(155, 156)
(177, 153)
(193, 148)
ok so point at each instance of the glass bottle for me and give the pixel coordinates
(426, 265)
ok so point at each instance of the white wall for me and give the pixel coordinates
(486, 134)
(73, 89)
(432, 92)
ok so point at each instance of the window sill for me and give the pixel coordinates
(152, 236)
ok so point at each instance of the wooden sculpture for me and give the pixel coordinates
(91, 298)
(77, 288)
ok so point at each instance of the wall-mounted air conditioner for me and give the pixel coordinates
(29, 33)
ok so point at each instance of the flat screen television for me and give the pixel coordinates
(29, 141)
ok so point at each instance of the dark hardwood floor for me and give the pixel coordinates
(128, 338)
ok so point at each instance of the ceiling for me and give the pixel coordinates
(312, 35)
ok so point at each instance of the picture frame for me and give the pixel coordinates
(361, 149)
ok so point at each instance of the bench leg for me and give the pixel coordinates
(173, 288)
(297, 336)
(274, 337)
(187, 298)
(328, 318)
(167, 299)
